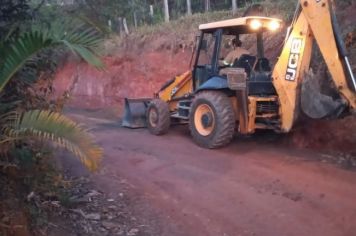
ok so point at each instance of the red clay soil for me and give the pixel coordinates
(326, 135)
(128, 75)
(250, 188)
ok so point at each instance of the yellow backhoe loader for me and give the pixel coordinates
(218, 100)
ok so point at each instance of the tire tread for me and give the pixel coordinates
(164, 121)
(225, 120)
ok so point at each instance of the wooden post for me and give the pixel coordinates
(125, 26)
(207, 5)
(119, 21)
(135, 19)
(151, 11)
(234, 7)
(166, 11)
(110, 25)
(189, 8)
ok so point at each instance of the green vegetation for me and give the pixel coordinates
(20, 52)
(30, 48)
(49, 126)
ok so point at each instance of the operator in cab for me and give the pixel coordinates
(236, 53)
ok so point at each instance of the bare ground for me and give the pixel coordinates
(255, 186)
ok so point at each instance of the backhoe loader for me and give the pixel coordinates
(217, 100)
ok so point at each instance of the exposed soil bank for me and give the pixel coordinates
(327, 135)
(128, 75)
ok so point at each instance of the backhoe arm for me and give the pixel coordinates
(315, 20)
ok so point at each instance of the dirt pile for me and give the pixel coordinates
(326, 135)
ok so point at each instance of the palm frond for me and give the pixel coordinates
(17, 52)
(99, 27)
(80, 39)
(14, 54)
(85, 53)
(57, 128)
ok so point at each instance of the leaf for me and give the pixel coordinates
(15, 53)
(57, 128)
(85, 54)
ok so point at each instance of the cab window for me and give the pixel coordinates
(206, 49)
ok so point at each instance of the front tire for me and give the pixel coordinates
(158, 117)
(212, 119)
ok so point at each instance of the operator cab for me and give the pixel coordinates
(213, 41)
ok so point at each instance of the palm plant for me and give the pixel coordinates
(47, 125)
(14, 53)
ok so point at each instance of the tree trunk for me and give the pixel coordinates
(125, 26)
(135, 19)
(166, 11)
(151, 11)
(189, 8)
(120, 27)
(234, 7)
(110, 25)
(207, 5)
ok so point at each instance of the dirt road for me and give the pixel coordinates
(252, 187)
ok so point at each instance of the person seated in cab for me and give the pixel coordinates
(235, 54)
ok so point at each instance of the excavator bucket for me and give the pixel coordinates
(315, 104)
(135, 113)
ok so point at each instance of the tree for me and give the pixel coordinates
(234, 7)
(189, 8)
(207, 5)
(166, 11)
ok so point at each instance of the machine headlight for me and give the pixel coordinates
(255, 24)
(274, 25)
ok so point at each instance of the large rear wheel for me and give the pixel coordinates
(158, 117)
(212, 119)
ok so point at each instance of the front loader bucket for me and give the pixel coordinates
(315, 104)
(135, 113)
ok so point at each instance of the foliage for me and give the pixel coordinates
(44, 124)
(12, 12)
(19, 50)
(100, 12)
(20, 54)
(50, 126)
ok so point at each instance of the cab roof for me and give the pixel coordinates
(238, 25)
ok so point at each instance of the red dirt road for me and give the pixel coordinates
(252, 187)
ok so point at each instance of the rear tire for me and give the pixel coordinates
(158, 117)
(212, 119)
